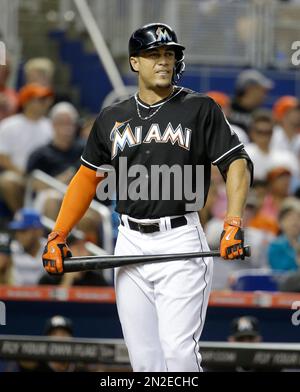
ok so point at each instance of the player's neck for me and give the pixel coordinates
(155, 95)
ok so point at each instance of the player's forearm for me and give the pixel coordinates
(77, 199)
(237, 186)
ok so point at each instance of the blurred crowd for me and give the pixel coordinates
(40, 131)
(271, 219)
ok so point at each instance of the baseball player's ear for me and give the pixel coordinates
(134, 63)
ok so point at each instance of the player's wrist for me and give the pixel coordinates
(57, 234)
(233, 221)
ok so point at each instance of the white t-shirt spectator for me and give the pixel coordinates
(241, 134)
(26, 269)
(280, 141)
(263, 162)
(19, 137)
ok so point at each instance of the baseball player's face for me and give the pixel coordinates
(155, 67)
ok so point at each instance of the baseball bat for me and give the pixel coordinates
(90, 263)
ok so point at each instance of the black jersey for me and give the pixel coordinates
(185, 130)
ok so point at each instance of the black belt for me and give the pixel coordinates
(153, 227)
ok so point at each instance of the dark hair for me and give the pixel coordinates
(261, 115)
(284, 211)
(258, 183)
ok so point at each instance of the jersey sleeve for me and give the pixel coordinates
(96, 152)
(223, 145)
(221, 140)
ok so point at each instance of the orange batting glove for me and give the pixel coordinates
(232, 239)
(55, 252)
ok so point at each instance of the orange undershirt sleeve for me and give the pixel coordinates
(78, 197)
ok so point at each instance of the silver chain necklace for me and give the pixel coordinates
(155, 111)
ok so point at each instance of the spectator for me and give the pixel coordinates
(263, 155)
(223, 100)
(19, 136)
(259, 232)
(257, 219)
(59, 158)
(245, 329)
(27, 248)
(5, 258)
(59, 327)
(251, 90)
(39, 70)
(284, 251)
(30, 128)
(286, 111)
(260, 132)
(279, 179)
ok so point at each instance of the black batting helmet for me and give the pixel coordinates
(154, 35)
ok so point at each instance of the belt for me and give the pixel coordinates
(153, 227)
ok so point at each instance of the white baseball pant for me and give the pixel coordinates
(162, 306)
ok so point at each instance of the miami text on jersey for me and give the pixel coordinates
(122, 133)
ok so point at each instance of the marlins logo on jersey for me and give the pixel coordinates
(122, 134)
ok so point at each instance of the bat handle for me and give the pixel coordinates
(247, 252)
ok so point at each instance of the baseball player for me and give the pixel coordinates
(162, 306)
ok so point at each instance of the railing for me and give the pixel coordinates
(9, 34)
(113, 352)
(283, 28)
(102, 210)
(78, 234)
(257, 34)
(100, 46)
(9, 22)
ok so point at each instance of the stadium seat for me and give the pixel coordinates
(250, 280)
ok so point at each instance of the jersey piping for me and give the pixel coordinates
(226, 153)
(102, 167)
